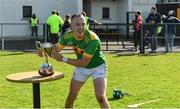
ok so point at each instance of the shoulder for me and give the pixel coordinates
(92, 35)
(50, 17)
(150, 14)
(139, 18)
(158, 14)
(68, 35)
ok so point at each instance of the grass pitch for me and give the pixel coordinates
(145, 77)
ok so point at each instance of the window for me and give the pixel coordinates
(27, 11)
(105, 13)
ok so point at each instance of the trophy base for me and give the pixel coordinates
(45, 72)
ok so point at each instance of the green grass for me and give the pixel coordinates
(145, 77)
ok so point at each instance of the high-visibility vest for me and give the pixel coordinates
(34, 22)
(86, 23)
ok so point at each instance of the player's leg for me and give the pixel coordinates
(100, 83)
(100, 91)
(76, 83)
(75, 87)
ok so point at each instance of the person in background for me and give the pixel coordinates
(89, 20)
(154, 18)
(171, 30)
(138, 24)
(66, 25)
(34, 21)
(62, 22)
(54, 23)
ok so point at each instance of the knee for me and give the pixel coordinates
(101, 98)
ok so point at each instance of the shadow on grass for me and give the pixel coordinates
(13, 53)
(113, 99)
(121, 54)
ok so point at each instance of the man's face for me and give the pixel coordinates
(153, 11)
(78, 26)
(136, 14)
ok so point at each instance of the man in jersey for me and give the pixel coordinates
(90, 61)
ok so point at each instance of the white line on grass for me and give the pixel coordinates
(136, 105)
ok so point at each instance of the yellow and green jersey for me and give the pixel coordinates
(89, 46)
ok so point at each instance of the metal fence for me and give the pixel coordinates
(114, 35)
(161, 37)
(20, 31)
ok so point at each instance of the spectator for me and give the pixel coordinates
(66, 25)
(54, 23)
(154, 18)
(138, 24)
(171, 30)
(34, 21)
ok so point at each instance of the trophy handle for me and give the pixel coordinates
(38, 44)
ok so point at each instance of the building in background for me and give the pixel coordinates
(114, 11)
(18, 13)
(105, 11)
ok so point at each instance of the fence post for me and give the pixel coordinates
(166, 37)
(142, 41)
(2, 44)
(44, 32)
(47, 30)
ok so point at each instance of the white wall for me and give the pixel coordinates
(118, 9)
(12, 9)
(144, 6)
(0, 11)
(11, 12)
(123, 7)
(70, 7)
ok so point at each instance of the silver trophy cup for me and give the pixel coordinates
(46, 69)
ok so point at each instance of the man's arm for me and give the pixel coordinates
(93, 21)
(87, 56)
(158, 20)
(148, 18)
(75, 62)
(177, 20)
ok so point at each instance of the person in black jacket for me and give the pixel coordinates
(66, 25)
(153, 19)
(171, 30)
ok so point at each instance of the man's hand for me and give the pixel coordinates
(56, 55)
(152, 22)
(40, 53)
